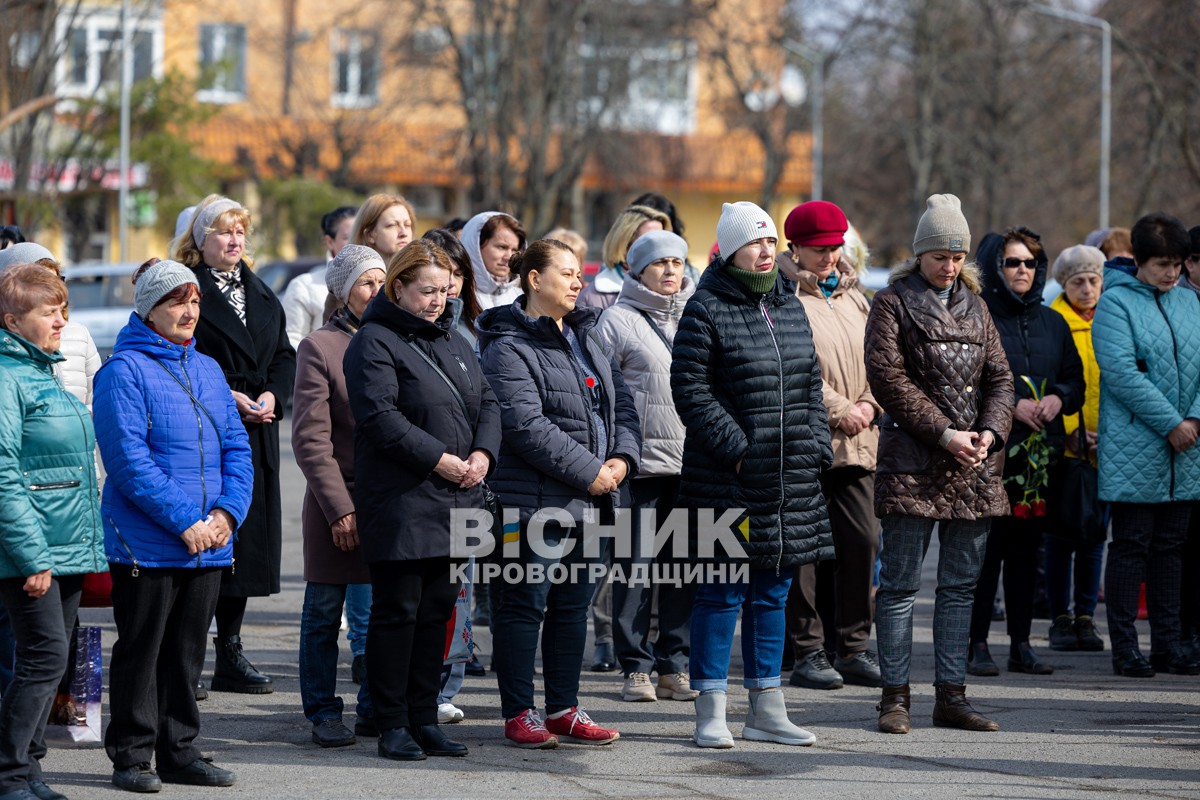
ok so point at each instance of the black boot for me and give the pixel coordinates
(234, 673)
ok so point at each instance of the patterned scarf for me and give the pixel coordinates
(232, 289)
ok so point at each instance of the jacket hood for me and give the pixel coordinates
(996, 292)
(484, 282)
(1122, 271)
(20, 348)
(609, 280)
(635, 295)
(140, 337)
(716, 279)
(511, 320)
(384, 312)
(806, 282)
(1076, 323)
(969, 276)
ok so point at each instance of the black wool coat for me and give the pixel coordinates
(747, 385)
(406, 419)
(547, 458)
(255, 357)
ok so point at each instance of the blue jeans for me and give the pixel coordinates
(1087, 561)
(320, 623)
(762, 599)
(905, 542)
(358, 616)
(558, 610)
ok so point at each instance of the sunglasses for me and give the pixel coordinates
(1014, 263)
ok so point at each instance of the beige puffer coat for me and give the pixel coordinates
(839, 327)
(646, 364)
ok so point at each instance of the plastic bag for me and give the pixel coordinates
(459, 639)
(75, 714)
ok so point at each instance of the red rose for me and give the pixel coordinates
(1039, 508)
(1022, 510)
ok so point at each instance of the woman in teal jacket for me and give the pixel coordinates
(49, 521)
(1147, 341)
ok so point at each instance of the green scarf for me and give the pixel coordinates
(756, 282)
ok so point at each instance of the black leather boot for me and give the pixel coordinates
(234, 673)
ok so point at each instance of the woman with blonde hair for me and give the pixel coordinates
(385, 224)
(631, 223)
(242, 328)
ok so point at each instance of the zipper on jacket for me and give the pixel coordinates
(583, 390)
(199, 440)
(45, 487)
(762, 306)
(1178, 374)
(121, 539)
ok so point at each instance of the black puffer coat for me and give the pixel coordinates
(1037, 341)
(747, 386)
(406, 417)
(546, 458)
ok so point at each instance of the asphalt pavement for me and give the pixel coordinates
(1079, 733)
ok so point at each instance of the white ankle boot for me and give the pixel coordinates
(767, 720)
(711, 730)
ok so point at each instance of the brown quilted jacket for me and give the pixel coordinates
(933, 367)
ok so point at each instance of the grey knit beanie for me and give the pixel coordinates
(348, 266)
(157, 281)
(181, 222)
(652, 246)
(942, 227)
(208, 215)
(741, 223)
(24, 253)
(1077, 259)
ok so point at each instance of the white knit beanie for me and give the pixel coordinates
(207, 217)
(158, 280)
(24, 253)
(942, 226)
(348, 266)
(741, 223)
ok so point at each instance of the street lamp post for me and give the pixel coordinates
(126, 82)
(1105, 92)
(817, 61)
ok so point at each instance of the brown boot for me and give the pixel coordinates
(893, 710)
(951, 710)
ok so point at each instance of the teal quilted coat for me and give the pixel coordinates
(49, 510)
(1148, 347)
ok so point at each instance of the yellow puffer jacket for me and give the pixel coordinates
(1081, 331)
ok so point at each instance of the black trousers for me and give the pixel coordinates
(411, 602)
(1147, 545)
(162, 618)
(1012, 543)
(42, 628)
(849, 493)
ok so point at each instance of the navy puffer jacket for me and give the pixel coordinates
(547, 456)
(747, 386)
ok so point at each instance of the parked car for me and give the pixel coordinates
(100, 297)
(278, 274)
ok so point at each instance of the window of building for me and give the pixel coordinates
(223, 58)
(92, 52)
(355, 68)
(647, 86)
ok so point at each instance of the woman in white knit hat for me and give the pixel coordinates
(937, 368)
(747, 386)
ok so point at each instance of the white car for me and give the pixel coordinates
(100, 297)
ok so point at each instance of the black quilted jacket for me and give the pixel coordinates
(747, 386)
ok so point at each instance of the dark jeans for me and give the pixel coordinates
(8, 647)
(849, 493)
(1189, 600)
(41, 628)
(411, 602)
(632, 605)
(1087, 562)
(162, 618)
(1013, 543)
(558, 610)
(1147, 543)
(320, 628)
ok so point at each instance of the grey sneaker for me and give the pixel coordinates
(815, 672)
(860, 669)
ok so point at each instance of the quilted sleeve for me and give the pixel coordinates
(693, 374)
(1113, 337)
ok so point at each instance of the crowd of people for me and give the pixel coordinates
(475, 369)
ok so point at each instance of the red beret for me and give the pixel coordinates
(817, 223)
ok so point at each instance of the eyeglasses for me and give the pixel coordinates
(1013, 263)
(1194, 257)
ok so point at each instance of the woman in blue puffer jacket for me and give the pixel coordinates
(180, 478)
(1147, 339)
(49, 523)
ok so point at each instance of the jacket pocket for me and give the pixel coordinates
(51, 485)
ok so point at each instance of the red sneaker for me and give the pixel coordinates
(527, 731)
(576, 726)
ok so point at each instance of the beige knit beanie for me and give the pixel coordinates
(942, 227)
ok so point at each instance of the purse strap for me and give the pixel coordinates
(453, 389)
(654, 326)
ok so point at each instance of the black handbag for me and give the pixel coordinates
(1076, 514)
